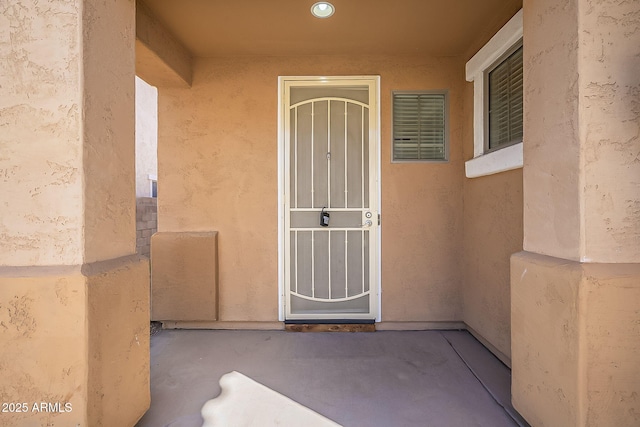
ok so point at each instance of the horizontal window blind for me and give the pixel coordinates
(419, 128)
(505, 102)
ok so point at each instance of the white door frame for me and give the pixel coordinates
(374, 85)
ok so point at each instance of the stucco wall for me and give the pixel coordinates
(576, 342)
(553, 216)
(146, 136)
(581, 139)
(118, 381)
(217, 161)
(44, 316)
(108, 96)
(40, 159)
(71, 317)
(160, 59)
(576, 313)
(610, 128)
(493, 231)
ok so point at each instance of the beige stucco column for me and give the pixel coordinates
(575, 291)
(74, 304)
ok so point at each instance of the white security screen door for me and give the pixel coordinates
(331, 198)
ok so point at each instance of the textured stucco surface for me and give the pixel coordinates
(118, 345)
(118, 286)
(67, 141)
(551, 148)
(575, 341)
(160, 58)
(545, 335)
(609, 59)
(217, 161)
(43, 316)
(76, 337)
(574, 325)
(421, 203)
(146, 136)
(185, 276)
(68, 311)
(492, 233)
(582, 127)
(108, 142)
(612, 329)
(40, 130)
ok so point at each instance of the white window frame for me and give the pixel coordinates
(509, 157)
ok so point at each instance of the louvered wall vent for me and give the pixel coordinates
(420, 126)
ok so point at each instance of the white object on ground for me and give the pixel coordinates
(244, 403)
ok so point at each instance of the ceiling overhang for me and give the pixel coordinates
(213, 28)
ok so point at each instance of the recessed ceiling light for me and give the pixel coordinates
(322, 9)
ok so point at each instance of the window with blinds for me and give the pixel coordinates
(420, 126)
(505, 102)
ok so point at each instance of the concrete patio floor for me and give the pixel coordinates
(385, 379)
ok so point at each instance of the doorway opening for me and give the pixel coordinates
(329, 198)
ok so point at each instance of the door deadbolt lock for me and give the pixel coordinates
(368, 215)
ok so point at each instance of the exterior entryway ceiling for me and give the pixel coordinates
(209, 28)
